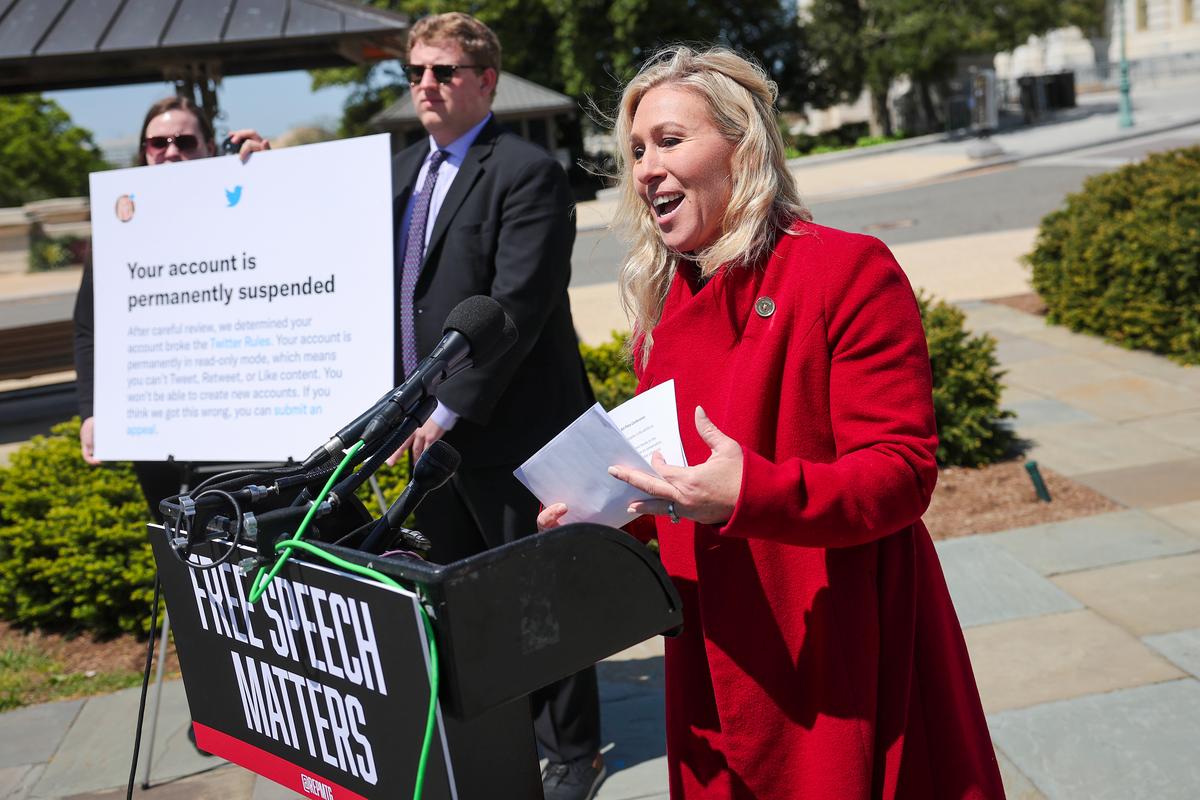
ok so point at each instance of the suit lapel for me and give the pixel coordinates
(470, 171)
(404, 175)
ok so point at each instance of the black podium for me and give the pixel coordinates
(323, 685)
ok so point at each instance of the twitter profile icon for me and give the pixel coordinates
(232, 196)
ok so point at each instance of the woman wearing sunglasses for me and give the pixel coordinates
(174, 129)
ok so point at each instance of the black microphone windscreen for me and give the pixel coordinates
(437, 463)
(485, 324)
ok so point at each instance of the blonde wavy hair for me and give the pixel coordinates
(764, 201)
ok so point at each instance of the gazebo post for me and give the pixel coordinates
(199, 83)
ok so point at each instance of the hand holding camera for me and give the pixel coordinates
(244, 142)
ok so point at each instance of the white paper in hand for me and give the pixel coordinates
(649, 422)
(573, 467)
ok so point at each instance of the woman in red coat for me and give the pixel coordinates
(821, 656)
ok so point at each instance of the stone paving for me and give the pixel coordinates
(1084, 634)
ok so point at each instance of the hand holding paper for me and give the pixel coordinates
(573, 467)
(707, 492)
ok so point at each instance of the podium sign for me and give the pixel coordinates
(295, 687)
(323, 685)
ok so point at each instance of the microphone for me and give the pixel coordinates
(260, 529)
(477, 326)
(476, 332)
(175, 507)
(432, 470)
(347, 436)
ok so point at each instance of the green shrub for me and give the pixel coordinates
(55, 252)
(73, 548)
(799, 144)
(966, 389)
(1122, 258)
(966, 385)
(847, 136)
(871, 141)
(391, 482)
(609, 370)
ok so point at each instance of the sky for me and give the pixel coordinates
(270, 103)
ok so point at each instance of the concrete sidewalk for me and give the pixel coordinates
(1085, 634)
(849, 173)
(859, 171)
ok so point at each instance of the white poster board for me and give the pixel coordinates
(243, 310)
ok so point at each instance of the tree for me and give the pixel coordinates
(1011, 24)
(42, 154)
(839, 31)
(857, 44)
(526, 30)
(869, 43)
(587, 49)
(1090, 16)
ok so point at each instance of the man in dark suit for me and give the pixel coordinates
(481, 211)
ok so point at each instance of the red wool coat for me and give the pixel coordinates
(821, 656)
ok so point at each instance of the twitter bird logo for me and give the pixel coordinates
(232, 196)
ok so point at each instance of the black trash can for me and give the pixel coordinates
(1033, 97)
(1061, 90)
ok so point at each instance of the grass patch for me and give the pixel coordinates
(29, 675)
(41, 666)
(844, 138)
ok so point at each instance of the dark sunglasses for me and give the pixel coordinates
(442, 73)
(186, 143)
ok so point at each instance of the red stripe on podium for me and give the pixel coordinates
(266, 764)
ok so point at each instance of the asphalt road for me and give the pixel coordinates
(1005, 198)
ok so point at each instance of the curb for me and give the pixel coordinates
(942, 138)
(1004, 161)
(40, 295)
(1138, 134)
(851, 153)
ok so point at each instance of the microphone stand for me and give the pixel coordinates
(272, 525)
(390, 443)
(479, 318)
(432, 470)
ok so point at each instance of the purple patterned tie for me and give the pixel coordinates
(414, 254)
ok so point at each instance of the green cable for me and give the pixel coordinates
(431, 717)
(287, 545)
(260, 585)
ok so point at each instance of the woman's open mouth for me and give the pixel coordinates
(664, 204)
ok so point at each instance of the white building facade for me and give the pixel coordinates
(1162, 40)
(1162, 43)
